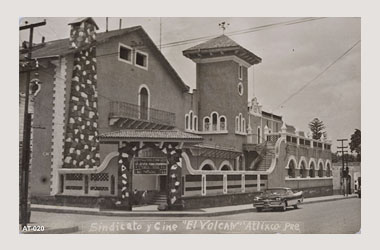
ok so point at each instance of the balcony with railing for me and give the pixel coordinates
(132, 116)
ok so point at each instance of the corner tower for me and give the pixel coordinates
(222, 84)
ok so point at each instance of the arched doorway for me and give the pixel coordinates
(303, 170)
(312, 170)
(207, 167)
(320, 171)
(144, 103)
(292, 169)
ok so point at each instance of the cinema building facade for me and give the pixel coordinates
(113, 119)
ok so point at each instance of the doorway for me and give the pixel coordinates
(163, 183)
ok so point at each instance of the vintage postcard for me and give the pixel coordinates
(190, 125)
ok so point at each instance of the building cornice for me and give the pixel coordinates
(222, 59)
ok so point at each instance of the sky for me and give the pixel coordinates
(292, 55)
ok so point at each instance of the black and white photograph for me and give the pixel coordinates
(183, 125)
(190, 124)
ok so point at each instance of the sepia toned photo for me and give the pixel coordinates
(190, 125)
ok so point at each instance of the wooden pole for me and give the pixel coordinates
(25, 215)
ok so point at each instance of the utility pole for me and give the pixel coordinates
(24, 185)
(344, 171)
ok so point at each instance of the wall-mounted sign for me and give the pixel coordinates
(154, 166)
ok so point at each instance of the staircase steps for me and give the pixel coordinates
(158, 199)
(266, 162)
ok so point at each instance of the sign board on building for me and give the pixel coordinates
(154, 166)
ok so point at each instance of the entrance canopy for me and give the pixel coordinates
(208, 150)
(150, 135)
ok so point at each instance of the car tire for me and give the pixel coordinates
(284, 206)
(259, 209)
(296, 205)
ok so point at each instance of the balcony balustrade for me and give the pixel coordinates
(127, 115)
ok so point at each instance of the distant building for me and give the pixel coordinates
(353, 174)
(114, 116)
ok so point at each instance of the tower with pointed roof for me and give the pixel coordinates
(222, 89)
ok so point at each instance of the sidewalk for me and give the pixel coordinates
(146, 211)
(151, 210)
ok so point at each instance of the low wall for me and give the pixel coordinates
(88, 201)
(218, 200)
(69, 201)
(312, 187)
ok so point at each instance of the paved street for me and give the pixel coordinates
(326, 217)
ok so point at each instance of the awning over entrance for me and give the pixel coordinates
(208, 150)
(150, 135)
(169, 142)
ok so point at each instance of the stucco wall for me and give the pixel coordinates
(120, 81)
(42, 130)
(217, 85)
(311, 186)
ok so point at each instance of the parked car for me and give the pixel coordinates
(281, 197)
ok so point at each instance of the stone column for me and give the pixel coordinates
(81, 149)
(126, 153)
(173, 154)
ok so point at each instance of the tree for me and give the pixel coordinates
(355, 143)
(317, 128)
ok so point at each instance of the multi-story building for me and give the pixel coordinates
(113, 116)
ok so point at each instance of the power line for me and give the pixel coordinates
(244, 31)
(233, 33)
(317, 76)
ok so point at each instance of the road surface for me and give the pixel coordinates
(341, 216)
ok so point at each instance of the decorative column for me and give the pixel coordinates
(298, 136)
(310, 136)
(266, 132)
(81, 149)
(126, 153)
(173, 154)
(283, 130)
(258, 183)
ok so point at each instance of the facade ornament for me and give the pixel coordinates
(266, 130)
(322, 138)
(283, 128)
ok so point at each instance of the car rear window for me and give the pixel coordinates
(275, 191)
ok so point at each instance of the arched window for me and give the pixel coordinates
(243, 125)
(258, 135)
(214, 123)
(144, 103)
(292, 169)
(206, 124)
(207, 167)
(320, 171)
(214, 118)
(303, 170)
(186, 121)
(312, 170)
(191, 120)
(223, 125)
(225, 168)
(195, 125)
